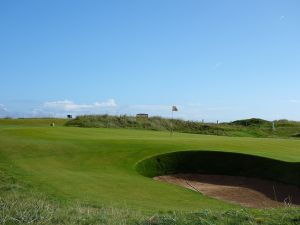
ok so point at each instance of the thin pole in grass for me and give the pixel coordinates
(174, 109)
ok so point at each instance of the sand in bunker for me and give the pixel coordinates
(250, 192)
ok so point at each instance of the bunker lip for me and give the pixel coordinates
(249, 192)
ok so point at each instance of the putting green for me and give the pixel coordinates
(98, 165)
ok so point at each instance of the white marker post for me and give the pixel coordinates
(174, 109)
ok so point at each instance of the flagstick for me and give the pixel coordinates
(174, 109)
(172, 124)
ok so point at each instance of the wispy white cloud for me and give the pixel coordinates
(202, 107)
(61, 108)
(201, 111)
(282, 17)
(70, 106)
(3, 108)
(218, 108)
(3, 111)
(194, 104)
(150, 107)
(218, 65)
(294, 101)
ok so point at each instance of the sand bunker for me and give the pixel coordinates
(250, 192)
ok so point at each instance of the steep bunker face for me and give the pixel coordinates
(247, 180)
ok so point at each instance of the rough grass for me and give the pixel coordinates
(22, 206)
(17, 210)
(36, 210)
(246, 128)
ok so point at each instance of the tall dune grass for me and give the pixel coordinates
(250, 127)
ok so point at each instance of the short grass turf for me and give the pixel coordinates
(97, 165)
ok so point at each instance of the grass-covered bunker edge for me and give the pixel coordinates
(223, 163)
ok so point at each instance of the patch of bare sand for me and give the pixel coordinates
(250, 192)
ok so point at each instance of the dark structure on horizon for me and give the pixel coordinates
(141, 116)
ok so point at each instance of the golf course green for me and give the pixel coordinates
(98, 165)
(71, 175)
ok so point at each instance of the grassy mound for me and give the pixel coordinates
(152, 123)
(252, 122)
(223, 163)
(243, 128)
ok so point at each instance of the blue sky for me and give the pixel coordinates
(214, 59)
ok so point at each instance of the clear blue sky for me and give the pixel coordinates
(215, 59)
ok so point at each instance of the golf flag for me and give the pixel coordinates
(174, 108)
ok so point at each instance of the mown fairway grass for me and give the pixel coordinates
(97, 165)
